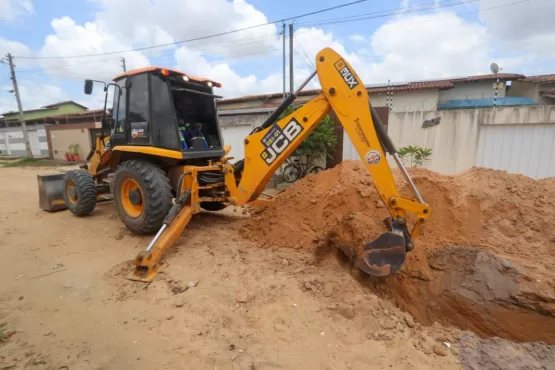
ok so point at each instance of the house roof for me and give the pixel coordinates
(489, 77)
(548, 92)
(443, 84)
(46, 107)
(153, 68)
(56, 105)
(540, 79)
(412, 86)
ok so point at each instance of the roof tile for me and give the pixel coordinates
(540, 79)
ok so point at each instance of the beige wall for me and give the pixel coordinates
(62, 139)
(473, 90)
(408, 101)
(454, 142)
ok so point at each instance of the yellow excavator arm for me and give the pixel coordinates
(269, 145)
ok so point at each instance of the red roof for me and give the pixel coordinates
(490, 77)
(411, 86)
(548, 92)
(540, 79)
(152, 69)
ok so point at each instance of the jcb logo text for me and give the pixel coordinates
(281, 142)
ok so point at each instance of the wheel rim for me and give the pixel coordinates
(291, 174)
(131, 198)
(71, 191)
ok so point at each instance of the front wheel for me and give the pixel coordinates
(142, 194)
(80, 192)
(291, 173)
(316, 169)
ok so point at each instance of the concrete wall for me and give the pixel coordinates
(532, 91)
(236, 127)
(13, 143)
(455, 141)
(408, 101)
(527, 89)
(62, 136)
(544, 99)
(472, 90)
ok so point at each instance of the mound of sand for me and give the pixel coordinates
(484, 263)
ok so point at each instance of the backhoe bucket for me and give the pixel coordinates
(51, 192)
(384, 255)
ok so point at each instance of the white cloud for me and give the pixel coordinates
(429, 46)
(71, 39)
(526, 27)
(11, 9)
(357, 38)
(13, 47)
(189, 19)
(33, 96)
(234, 84)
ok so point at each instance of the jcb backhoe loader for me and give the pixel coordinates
(156, 158)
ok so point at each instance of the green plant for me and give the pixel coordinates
(75, 149)
(320, 143)
(70, 148)
(416, 154)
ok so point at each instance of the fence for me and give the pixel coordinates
(515, 139)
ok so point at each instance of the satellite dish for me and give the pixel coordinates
(494, 68)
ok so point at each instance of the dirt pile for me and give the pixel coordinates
(483, 264)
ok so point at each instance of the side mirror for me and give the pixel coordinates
(88, 87)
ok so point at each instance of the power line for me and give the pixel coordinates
(67, 66)
(198, 38)
(304, 52)
(304, 60)
(391, 12)
(331, 22)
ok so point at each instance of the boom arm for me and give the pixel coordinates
(342, 91)
(269, 145)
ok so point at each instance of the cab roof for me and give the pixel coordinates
(173, 71)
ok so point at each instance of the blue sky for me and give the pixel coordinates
(419, 41)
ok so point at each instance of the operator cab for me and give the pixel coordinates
(167, 109)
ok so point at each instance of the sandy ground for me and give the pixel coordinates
(65, 302)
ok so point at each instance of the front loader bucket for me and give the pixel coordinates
(51, 192)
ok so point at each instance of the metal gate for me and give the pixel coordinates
(527, 149)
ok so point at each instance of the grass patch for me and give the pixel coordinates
(30, 162)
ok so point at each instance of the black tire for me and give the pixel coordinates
(316, 169)
(212, 206)
(154, 192)
(80, 192)
(291, 173)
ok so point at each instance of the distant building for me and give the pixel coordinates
(73, 123)
(33, 116)
(465, 92)
(539, 88)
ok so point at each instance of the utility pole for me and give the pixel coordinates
(20, 108)
(123, 64)
(283, 36)
(291, 83)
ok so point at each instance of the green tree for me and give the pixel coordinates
(320, 143)
(416, 154)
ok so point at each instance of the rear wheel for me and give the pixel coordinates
(142, 194)
(291, 173)
(80, 192)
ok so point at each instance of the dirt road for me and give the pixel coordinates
(222, 303)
